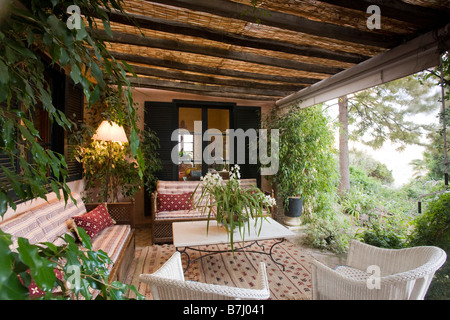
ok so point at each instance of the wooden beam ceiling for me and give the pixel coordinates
(192, 67)
(399, 10)
(174, 45)
(183, 76)
(235, 10)
(178, 28)
(228, 48)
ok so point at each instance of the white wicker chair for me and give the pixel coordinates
(404, 274)
(168, 283)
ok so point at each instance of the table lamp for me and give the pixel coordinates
(110, 132)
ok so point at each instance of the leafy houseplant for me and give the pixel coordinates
(100, 158)
(306, 162)
(229, 204)
(80, 270)
(31, 33)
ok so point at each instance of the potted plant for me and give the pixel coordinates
(306, 158)
(112, 162)
(231, 205)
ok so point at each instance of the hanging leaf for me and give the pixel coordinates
(41, 269)
(4, 78)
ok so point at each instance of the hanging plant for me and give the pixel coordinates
(30, 33)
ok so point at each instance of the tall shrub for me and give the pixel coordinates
(306, 154)
(433, 229)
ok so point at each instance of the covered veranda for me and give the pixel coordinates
(269, 55)
(272, 53)
(275, 53)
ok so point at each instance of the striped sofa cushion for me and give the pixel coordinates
(171, 187)
(53, 217)
(25, 226)
(45, 222)
(112, 240)
(247, 183)
(178, 187)
(180, 214)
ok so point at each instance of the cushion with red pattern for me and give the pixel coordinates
(34, 291)
(94, 221)
(173, 202)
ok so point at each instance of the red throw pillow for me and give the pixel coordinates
(94, 221)
(34, 290)
(173, 202)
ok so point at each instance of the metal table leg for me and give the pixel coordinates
(240, 249)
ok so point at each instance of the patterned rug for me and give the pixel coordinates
(239, 270)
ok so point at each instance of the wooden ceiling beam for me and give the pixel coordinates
(201, 87)
(165, 44)
(230, 9)
(210, 70)
(174, 27)
(216, 94)
(398, 10)
(166, 74)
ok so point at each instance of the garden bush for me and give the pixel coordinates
(433, 228)
(332, 232)
(390, 232)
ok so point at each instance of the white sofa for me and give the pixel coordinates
(46, 222)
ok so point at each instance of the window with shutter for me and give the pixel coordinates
(67, 98)
(248, 118)
(74, 106)
(162, 118)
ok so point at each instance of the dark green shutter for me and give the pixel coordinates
(74, 106)
(248, 118)
(162, 118)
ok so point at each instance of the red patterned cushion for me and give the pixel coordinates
(34, 290)
(173, 202)
(94, 221)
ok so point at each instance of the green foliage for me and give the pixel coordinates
(389, 232)
(123, 173)
(95, 155)
(28, 29)
(332, 232)
(433, 162)
(83, 270)
(382, 173)
(360, 180)
(31, 32)
(153, 162)
(362, 161)
(433, 228)
(306, 155)
(229, 204)
(381, 113)
(357, 203)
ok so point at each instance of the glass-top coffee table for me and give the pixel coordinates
(189, 235)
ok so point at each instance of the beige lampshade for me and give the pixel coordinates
(110, 132)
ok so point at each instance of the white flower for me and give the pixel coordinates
(211, 178)
(235, 174)
(269, 201)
